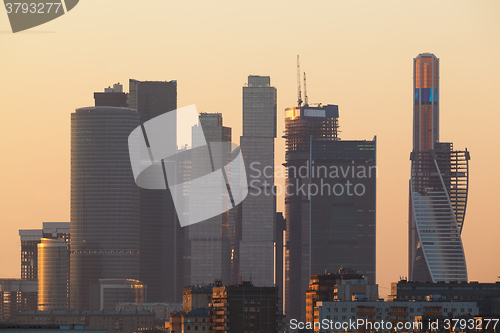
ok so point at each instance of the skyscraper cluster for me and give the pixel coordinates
(125, 243)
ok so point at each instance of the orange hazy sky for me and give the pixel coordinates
(357, 54)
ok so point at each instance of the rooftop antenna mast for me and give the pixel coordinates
(306, 102)
(299, 92)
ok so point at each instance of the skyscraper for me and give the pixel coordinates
(209, 240)
(161, 238)
(112, 97)
(438, 186)
(29, 241)
(343, 211)
(53, 274)
(330, 202)
(104, 201)
(302, 125)
(258, 210)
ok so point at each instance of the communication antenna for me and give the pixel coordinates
(306, 103)
(299, 92)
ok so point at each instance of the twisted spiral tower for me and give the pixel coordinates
(438, 186)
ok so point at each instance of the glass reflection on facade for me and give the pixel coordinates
(438, 187)
(115, 291)
(53, 270)
(301, 124)
(255, 232)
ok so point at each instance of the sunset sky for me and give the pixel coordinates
(357, 54)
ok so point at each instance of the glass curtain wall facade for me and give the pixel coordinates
(256, 232)
(343, 212)
(53, 274)
(209, 240)
(162, 241)
(104, 200)
(438, 187)
(302, 125)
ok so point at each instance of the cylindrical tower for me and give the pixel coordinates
(53, 269)
(104, 201)
(425, 102)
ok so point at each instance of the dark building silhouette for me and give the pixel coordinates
(244, 308)
(343, 211)
(438, 186)
(486, 295)
(105, 210)
(258, 210)
(17, 296)
(110, 292)
(279, 248)
(162, 241)
(209, 240)
(30, 238)
(112, 97)
(302, 123)
(330, 202)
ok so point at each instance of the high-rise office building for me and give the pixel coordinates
(329, 202)
(342, 202)
(104, 201)
(29, 253)
(302, 125)
(162, 241)
(258, 210)
(31, 238)
(53, 274)
(112, 97)
(438, 186)
(209, 240)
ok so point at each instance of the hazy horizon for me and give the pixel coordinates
(357, 55)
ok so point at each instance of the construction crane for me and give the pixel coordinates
(306, 102)
(299, 92)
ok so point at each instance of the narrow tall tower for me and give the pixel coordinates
(209, 240)
(161, 238)
(258, 210)
(438, 186)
